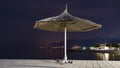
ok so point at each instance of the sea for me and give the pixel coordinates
(57, 53)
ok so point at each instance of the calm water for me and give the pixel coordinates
(93, 56)
(55, 54)
(58, 54)
(82, 55)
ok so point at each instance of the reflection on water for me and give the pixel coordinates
(108, 56)
(103, 56)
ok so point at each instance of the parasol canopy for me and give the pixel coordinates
(73, 24)
(65, 22)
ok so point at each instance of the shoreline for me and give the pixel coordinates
(101, 51)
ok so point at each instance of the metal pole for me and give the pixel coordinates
(65, 46)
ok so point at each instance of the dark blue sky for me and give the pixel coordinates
(17, 18)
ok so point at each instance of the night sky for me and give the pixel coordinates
(17, 18)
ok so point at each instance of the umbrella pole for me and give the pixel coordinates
(65, 46)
